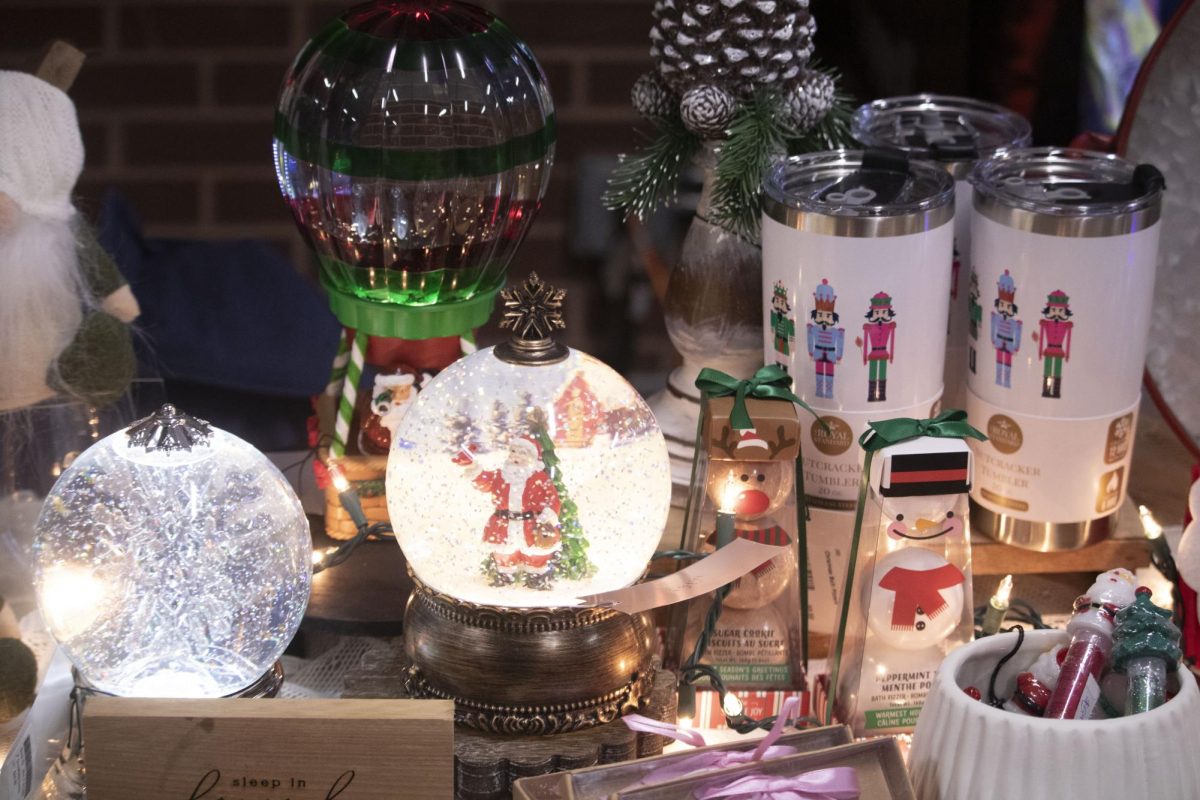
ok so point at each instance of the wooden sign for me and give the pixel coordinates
(233, 749)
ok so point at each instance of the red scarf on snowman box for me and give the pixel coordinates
(918, 590)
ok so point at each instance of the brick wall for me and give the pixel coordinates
(176, 100)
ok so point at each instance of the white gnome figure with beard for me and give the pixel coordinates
(63, 303)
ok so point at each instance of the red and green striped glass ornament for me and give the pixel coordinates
(413, 143)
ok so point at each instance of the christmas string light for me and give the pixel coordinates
(324, 558)
(997, 607)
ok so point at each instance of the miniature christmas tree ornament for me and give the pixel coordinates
(1146, 649)
(524, 477)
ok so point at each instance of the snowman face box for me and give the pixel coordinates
(751, 474)
(910, 600)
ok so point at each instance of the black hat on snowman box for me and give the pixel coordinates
(922, 467)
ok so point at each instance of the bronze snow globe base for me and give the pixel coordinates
(532, 671)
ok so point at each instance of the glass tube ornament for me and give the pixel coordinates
(1091, 629)
(908, 601)
(172, 560)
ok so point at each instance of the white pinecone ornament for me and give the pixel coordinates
(809, 99)
(733, 44)
(651, 97)
(707, 111)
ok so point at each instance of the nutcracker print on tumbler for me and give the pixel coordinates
(825, 342)
(1054, 341)
(974, 318)
(878, 344)
(783, 325)
(1006, 329)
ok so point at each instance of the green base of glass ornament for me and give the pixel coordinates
(413, 322)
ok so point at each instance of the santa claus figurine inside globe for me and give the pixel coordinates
(524, 531)
(523, 478)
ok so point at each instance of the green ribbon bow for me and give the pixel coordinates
(769, 383)
(950, 424)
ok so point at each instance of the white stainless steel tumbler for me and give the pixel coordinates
(856, 279)
(1064, 243)
(955, 132)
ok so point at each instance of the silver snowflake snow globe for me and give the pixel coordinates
(524, 477)
(173, 560)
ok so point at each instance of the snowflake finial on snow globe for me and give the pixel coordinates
(526, 476)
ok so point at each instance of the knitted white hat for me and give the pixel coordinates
(41, 150)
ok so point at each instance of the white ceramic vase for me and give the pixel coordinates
(965, 749)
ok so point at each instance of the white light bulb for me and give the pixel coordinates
(72, 598)
(172, 573)
(1003, 592)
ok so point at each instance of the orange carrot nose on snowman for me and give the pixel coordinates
(924, 528)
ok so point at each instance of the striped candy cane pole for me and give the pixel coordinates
(345, 412)
(338, 373)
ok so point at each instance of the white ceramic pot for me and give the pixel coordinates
(965, 749)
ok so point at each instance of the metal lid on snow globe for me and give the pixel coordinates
(954, 131)
(858, 193)
(1068, 192)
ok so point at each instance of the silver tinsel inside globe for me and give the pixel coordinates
(172, 572)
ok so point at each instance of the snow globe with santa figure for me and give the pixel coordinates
(908, 602)
(524, 477)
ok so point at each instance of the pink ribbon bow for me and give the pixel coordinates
(836, 783)
(716, 759)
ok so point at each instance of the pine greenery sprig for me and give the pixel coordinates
(648, 179)
(758, 135)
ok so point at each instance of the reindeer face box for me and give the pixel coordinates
(758, 462)
(750, 473)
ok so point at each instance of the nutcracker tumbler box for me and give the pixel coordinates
(955, 133)
(1064, 243)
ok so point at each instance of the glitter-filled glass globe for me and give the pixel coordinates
(172, 573)
(527, 486)
(413, 143)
